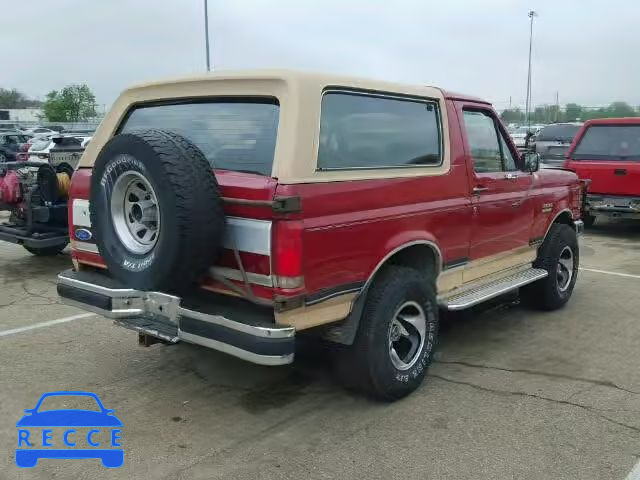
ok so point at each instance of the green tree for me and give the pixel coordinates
(13, 98)
(512, 116)
(621, 109)
(573, 112)
(74, 103)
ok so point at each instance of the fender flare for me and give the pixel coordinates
(344, 332)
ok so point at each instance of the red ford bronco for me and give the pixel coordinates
(607, 153)
(235, 211)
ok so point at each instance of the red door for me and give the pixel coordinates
(502, 207)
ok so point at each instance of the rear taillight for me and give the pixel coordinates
(287, 254)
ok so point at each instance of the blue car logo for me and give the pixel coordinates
(67, 427)
(83, 234)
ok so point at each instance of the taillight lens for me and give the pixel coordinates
(287, 254)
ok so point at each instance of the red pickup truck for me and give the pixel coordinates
(607, 153)
(239, 210)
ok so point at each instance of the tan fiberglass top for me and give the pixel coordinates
(299, 95)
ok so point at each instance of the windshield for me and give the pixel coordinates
(560, 133)
(65, 402)
(237, 135)
(609, 142)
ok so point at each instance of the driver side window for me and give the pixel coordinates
(489, 150)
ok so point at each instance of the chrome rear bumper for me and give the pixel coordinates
(163, 316)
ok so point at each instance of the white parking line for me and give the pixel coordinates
(635, 473)
(48, 323)
(606, 272)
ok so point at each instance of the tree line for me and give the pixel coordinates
(572, 112)
(73, 103)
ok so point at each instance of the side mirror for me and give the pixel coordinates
(531, 162)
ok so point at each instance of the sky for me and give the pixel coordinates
(586, 50)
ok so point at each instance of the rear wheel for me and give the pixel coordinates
(45, 251)
(559, 255)
(396, 336)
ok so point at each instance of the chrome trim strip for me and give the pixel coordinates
(269, 360)
(235, 274)
(84, 246)
(80, 210)
(253, 236)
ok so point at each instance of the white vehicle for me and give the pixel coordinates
(519, 134)
(39, 151)
(40, 131)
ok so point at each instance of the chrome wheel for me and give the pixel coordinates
(564, 272)
(135, 212)
(406, 335)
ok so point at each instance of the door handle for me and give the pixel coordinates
(477, 190)
(511, 176)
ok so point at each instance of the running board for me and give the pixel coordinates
(477, 295)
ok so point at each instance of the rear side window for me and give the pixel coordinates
(559, 133)
(609, 142)
(369, 131)
(237, 135)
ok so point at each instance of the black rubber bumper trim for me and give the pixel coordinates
(84, 296)
(242, 340)
(32, 241)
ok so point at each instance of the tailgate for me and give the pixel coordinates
(609, 177)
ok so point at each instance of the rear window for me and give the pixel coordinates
(559, 133)
(370, 131)
(237, 135)
(609, 142)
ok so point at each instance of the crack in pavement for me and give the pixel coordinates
(539, 397)
(602, 383)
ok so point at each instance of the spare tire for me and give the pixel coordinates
(156, 210)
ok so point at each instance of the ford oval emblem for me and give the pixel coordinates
(83, 234)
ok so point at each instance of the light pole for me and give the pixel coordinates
(206, 33)
(532, 13)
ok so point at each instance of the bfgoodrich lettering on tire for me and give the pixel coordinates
(156, 210)
(559, 255)
(396, 336)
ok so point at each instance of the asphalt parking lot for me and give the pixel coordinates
(513, 393)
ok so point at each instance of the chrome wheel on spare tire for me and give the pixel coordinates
(135, 212)
(156, 211)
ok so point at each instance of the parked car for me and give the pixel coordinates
(42, 146)
(40, 131)
(522, 135)
(236, 211)
(10, 144)
(607, 153)
(553, 141)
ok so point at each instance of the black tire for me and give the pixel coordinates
(589, 220)
(367, 365)
(190, 209)
(547, 294)
(45, 251)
